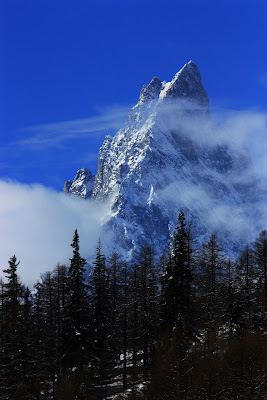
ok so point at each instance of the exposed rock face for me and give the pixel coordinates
(186, 84)
(168, 158)
(82, 185)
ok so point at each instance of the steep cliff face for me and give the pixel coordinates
(82, 185)
(169, 157)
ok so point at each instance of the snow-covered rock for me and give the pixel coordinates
(170, 157)
(82, 185)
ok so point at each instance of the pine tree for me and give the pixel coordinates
(11, 338)
(100, 317)
(178, 310)
(77, 310)
(60, 281)
(146, 295)
(260, 253)
(177, 283)
(246, 273)
(114, 298)
(44, 332)
(125, 295)
(232, 307)
(28, 364)
(245, 285)
(211, 268)
(134, 312)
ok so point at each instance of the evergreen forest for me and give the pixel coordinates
(190, 325)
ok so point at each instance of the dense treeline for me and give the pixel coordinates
(191, 325)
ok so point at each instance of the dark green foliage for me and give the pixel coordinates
(177, 283)
(193, 327)
(260, 254)
(76, 315)
(11, 357)
(143, 307)
(101, 319)
(211, 267)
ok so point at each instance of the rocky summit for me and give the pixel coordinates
(170, 157)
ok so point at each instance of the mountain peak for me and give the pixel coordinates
(161, 162)
(186, 84)
(189, 71)
(151, 91)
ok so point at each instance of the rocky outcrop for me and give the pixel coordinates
(82, 185)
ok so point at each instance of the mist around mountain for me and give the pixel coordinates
(169, 157)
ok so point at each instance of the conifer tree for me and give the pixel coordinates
(232, 307)
(100, 317)
(178, 309)
(114, 298)
(245, 287)
(260, 253)
(60, 279)
(11, 338)
(211, 265)
(147, 300)
(246, 274)
(44, 331)
(28, 362)
(134, 326)
(38, 336)
(125, 295)
(177, 283)
(77, 311)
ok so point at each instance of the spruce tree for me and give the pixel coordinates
(77, 310)
(177, 283)
(114, 298)
(100, 317)
(246, 274)
(125, 295)
(211, 269)
(60, 281)
(178, 310)
(27, 350)
(260, 254)
(11, 338)
(145, 300)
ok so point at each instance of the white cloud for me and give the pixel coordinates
(246, 127)
(234, 128)
(54, 134)
(37, 225)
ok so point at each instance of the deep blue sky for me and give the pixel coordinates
(87, 60)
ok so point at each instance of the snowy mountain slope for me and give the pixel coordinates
(170, 157)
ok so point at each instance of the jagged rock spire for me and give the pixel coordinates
(186, 84)
(162, 161)
(151, 91)
(82, 185)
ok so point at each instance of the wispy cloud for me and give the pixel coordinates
(245, 128)
(55, 134)
(237, 129)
